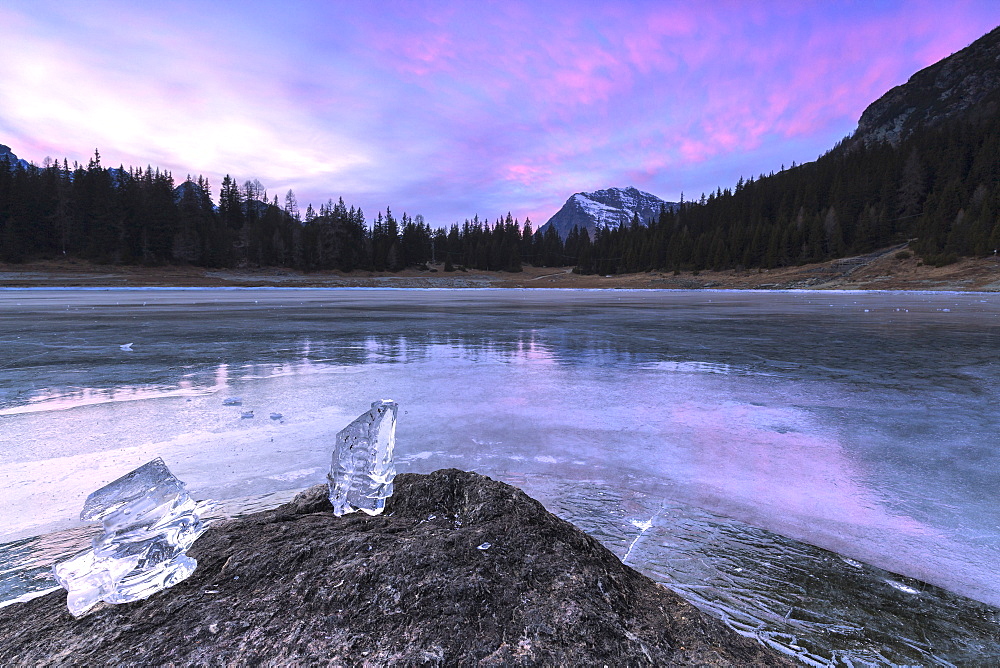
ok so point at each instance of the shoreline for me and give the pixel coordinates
(890, 269)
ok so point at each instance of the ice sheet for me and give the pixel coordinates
(860, 422)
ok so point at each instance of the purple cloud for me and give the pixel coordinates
(460, 108)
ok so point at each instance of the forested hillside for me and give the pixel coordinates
(939, 188)
(132, 216)
(922, 166)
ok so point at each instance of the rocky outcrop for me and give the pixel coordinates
(460, 570)
(7, 155)
(966, 83)
(605, 208)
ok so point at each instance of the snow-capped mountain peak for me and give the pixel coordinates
(606, 208)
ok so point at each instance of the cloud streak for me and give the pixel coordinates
(462, 108)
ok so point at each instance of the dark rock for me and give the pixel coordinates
(13, 161)
(966, 85)
(297, 585)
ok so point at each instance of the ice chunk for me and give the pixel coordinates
(362, 470)
(232, 401)
(246, 414)
(149, 522)
(126, 347)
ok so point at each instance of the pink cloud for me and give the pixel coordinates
(528, 175)
(694, 151)
(426, 54)
(507, 106)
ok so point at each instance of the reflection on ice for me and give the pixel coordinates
(773, 458)
(51, 399)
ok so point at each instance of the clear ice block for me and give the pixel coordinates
(149, 523)
(362, 470)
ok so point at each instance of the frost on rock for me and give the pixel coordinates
(362, 470)
(149, 522)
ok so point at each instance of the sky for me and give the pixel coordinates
(452, 109)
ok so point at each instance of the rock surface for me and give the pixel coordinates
(605, 209)
(965, 84)
(8, 155)
(414, 586)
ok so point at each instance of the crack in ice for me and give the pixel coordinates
(643, 527)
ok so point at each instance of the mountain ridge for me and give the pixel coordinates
(5, 152)
(605, 208)
(965, 83)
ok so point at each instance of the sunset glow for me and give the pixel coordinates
(461, 108)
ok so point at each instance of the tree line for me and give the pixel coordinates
(938, 189)
(136, 216)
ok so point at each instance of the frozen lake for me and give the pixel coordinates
(689, 431)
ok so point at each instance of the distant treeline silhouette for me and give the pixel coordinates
(135, 216)
(939, 188)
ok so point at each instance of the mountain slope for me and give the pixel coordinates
(605, 208)
(963, 84)
(7, 154)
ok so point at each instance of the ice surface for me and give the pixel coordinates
(362, 470)
(149, 522)
(810, 604)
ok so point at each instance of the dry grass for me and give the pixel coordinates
(884, 270)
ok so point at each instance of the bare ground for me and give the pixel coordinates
(883, 270)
